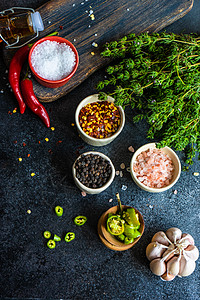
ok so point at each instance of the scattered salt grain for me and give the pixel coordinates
(110, 200)
(83, 194)
(131, 149)
(121, 174)
(29, 211)
(52, 60)
(154, 168)
(196, 173)
(117, 173)
(124, 187)
(150, 206)
(94, 44)
(122, 166)
(175, 192)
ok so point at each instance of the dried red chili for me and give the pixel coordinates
(32, 101)
(100, 119)
(14, 74)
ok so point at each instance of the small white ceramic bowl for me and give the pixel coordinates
(91, 190)
(175, 160)
(88, 139)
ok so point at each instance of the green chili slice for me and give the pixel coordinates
(47, 234)
(128, 240)
(69, 237)
(59, 211)
(51, 244)
(115, 225)
(56, 238)
(80, 220)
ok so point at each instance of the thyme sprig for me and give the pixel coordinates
(158, 75)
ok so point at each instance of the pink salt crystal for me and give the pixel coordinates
(154, 168)
(83, 194)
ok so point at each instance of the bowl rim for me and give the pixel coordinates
(103, 187)
(147, 146)
(95, 99)
(59, 40)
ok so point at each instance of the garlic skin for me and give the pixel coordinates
(155, 250)
(158, 267)
(192, 252)
(172, 254)
(173, 265)
(167, 277)
(161, 238)
(174, 234)
(187, 266)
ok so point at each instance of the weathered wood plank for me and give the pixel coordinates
(113, 19)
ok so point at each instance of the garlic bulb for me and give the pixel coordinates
(172, 254)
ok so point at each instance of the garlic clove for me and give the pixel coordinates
(165, 254)
(187, 266)
(167, 277)
(173, 265)
(158, 267)
(192, 252)
(186, 237)
(161, 238)
(174, 234)
(155, 250)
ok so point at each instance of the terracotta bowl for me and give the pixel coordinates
(89, 139)
(53, 83)
(108, 239)
(175, 160)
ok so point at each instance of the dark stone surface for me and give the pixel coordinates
(84, 268)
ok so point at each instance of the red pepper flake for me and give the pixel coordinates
(24, 144)
(39, 142)
(58, 142)
(9, 112)
(61, 27)
(28, 155)
(15, 142)
(100, 119)
(50, 151)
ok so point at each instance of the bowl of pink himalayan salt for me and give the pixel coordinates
(155, 170)
(53, 61)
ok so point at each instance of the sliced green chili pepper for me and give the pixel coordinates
(47, 234)
(115, 225)
(59, 211)
(131, 217)
(80, 220)
(121, 237)
(130, 231)
(69, 237)
(128, 240)
(56, 238)
(51, 244)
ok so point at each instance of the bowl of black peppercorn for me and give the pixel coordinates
(93, 172)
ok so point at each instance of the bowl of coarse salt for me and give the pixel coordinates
(155, 170)
(53, 60)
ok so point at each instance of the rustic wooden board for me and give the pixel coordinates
(113, 19)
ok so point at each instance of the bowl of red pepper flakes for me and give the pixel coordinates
(99, 122)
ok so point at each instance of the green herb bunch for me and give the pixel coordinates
(158, 75)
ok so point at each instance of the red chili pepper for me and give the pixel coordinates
(14, 74)
(32, 101)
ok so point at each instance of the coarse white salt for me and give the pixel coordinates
(154, 168)
(52, 60)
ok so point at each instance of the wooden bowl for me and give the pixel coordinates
(108, 239)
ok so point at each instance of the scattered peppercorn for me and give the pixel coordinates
(100, 119)
(92, 170)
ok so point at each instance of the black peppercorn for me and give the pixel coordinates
(92, 170)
